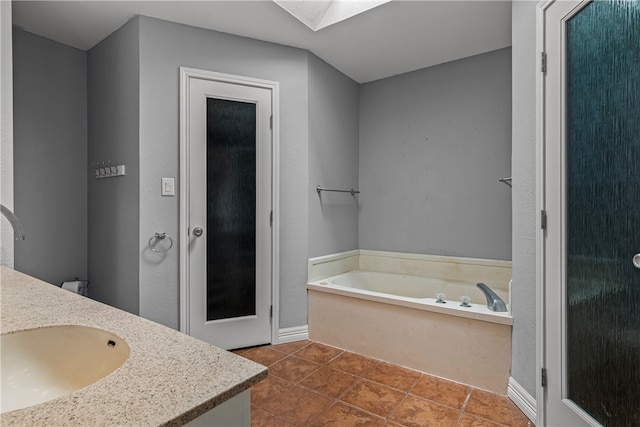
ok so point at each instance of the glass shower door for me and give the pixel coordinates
(603, 211)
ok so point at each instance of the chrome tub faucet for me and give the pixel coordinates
(494, 302)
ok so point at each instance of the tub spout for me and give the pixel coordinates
(494, 302)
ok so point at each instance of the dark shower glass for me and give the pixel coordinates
(231, 209)
(603, 211)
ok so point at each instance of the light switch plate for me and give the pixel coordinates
(168, 187)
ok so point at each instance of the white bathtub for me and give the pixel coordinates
(395, 317)
(414, 292)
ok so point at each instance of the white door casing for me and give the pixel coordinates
(196, 87)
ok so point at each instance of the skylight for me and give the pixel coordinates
(318, 14)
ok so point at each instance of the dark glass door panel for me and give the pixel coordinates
(231, 209)
(603, 211)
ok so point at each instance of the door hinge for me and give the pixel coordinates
(271, 312)
(543, 377)
(543, 62)
(271, 122)
(271, 219)
(543, 219)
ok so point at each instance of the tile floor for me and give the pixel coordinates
(311, 384)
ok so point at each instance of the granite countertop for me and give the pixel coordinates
(169, 378)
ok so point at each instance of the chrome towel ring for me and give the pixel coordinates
(160, 236)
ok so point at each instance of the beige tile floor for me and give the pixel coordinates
(311, 384)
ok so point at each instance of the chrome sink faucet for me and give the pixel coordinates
(18, 232)
(494, 302)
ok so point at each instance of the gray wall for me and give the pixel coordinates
(333, 159)
(523, 292)
(114, 208)
(6, 133)
(433, 144)
(164, 47)
(50, 155)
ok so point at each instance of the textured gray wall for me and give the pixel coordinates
(333, 159)
(114, 211)
(433, 144)
(164, 47)
(50, 155)
(523, 292)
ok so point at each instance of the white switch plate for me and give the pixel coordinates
(168, 187)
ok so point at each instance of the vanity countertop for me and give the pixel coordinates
(169, 378)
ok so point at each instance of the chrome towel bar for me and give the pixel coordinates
(352, 191)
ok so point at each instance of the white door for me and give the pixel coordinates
(228, 148)
(591, 195)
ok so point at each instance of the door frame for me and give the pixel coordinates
(186, 74)
(541, 8)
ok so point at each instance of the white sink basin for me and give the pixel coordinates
(45, 363)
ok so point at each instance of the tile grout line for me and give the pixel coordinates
(395, 408)
(299, 383)
(404, 398)
(335, 399)
(359, 379)
(464, 405)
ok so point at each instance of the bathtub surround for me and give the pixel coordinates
(50, 81)
(495, 273)
(472, 346)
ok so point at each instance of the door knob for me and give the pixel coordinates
(636, 260)
(197, 231)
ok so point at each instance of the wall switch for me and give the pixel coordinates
(168, 187)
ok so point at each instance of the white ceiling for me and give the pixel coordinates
(391, 39)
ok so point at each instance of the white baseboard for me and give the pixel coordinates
(522, 399)
(296, 333)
